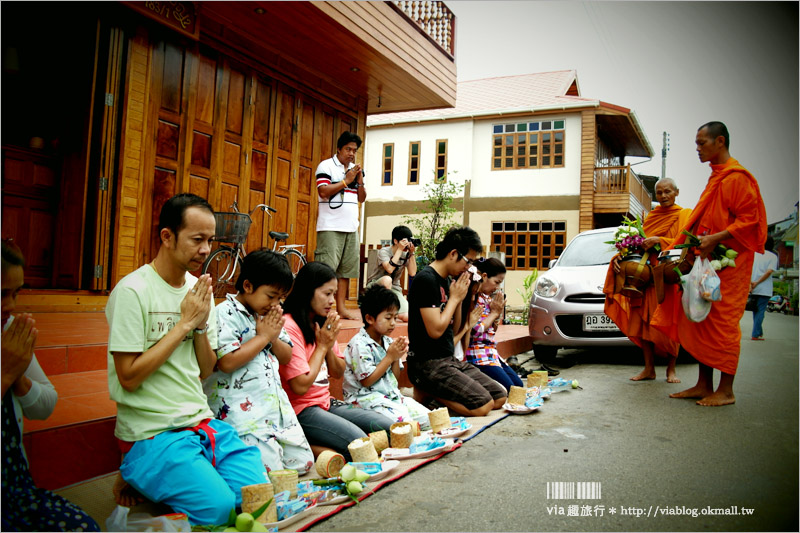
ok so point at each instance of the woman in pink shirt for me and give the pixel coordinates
(313, 326)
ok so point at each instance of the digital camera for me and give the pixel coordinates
(416, 242)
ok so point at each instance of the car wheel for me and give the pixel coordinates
(545, 354)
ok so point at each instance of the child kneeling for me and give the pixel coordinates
(245, 391)
(374, 361)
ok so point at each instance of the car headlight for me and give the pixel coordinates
(545, 287)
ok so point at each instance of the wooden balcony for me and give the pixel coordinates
(434, 19)
(619, 190)
(395, 56)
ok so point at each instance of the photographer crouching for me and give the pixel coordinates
(392, 262)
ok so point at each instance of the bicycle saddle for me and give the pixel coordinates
(278, 236)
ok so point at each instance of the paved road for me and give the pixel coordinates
(645, 449)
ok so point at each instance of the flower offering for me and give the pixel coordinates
(629, 237)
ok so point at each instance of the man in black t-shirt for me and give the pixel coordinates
(433, 301)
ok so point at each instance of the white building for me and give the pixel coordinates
(541, 163)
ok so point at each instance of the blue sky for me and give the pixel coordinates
(676, 64)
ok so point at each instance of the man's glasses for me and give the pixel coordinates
(470, 262)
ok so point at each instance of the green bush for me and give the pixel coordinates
(434, 219)
(526, 292)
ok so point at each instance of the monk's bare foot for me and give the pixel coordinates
(672, 378)
(694, 392)
(124, 494)
(716, 399)
(644, 375)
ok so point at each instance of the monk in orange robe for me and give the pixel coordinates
(730, 212)
(632, 315)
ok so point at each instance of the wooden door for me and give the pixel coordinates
(105, 181)
(30, 204)
(284, 170)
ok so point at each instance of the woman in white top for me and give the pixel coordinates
(26, 391)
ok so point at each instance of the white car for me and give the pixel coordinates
(566, 309)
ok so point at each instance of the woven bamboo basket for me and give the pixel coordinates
(402, 435)
(440, 419)
(537, 378)
(329, 463)
(284, 480)
(379, 440)
(254, 496)
(517, 395)
(363, 451)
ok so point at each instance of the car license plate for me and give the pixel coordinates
(598, 322)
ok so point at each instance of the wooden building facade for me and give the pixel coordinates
(109, 109)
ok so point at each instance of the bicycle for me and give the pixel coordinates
(224, 263)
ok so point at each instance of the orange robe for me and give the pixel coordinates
(632, 316)
(731, 201)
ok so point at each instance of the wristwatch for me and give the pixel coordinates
(201, 331)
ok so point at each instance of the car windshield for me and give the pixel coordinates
(588, 249)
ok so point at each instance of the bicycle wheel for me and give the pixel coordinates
(296, 260)
(224, 268)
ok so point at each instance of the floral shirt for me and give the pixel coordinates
(362, 357)
(482, 348)
(250, 398)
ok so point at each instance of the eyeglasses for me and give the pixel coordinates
(470, 262)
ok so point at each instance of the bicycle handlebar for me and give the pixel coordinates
(263, 207)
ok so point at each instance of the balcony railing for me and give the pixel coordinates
(621, 180)
(434, 19)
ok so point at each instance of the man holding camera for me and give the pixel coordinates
(392, 262)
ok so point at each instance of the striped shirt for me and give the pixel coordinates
(340, 211)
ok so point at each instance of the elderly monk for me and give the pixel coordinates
(730, 212)
(632, 315)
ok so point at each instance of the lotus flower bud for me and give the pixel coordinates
(348, 473)
(354, 487)
(716, 265)
(731, 254)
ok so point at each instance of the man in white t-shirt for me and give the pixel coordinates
(761, 286)
(162, 342)
(340, 186)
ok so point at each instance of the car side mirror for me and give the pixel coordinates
(552, 263)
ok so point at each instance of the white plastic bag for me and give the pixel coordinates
(710, 283)
(121, 520)
(694, 305)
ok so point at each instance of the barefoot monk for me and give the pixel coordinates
(632, 315)
(730, 212)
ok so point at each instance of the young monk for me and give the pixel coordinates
(730, 212)
(632, 315)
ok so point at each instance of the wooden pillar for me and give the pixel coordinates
(588, 147)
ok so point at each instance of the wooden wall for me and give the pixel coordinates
(221, 126)
(588, 138)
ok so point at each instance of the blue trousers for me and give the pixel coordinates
(501, 374)
(341, 425)
(758, 315)
(199, 472)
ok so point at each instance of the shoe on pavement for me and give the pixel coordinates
(756, 338)
(550, 371)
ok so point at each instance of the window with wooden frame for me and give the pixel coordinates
(413, 162)
(530, 144)
(529, 245)
(441, 161)
(388, 163)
